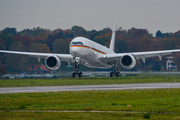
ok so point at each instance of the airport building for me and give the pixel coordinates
(170, 65)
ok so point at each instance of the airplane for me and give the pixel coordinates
(91, 54)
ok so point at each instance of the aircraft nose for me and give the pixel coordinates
(75, 51)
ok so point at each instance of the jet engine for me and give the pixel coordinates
(52, 62)
(128, 61)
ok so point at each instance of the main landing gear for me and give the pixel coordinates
(115, 72)
(77, 74)
(77, 66)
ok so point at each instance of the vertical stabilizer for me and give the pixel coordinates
(112, 44)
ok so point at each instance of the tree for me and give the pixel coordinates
(56, 31)
(3, 69)
(94, 34)
(51, 39)
(177, 59)
(33, 32)
(34, 47)
(105, 31)
(176, 34)
(144, 43)
(44, 48)
(159, 34)
(9, 31)
(121, 46)
(43, 36)
(8, 40)
(103, 40)
(137, 33)
(78, 31)
(14, 62)
(26, 40)
(2, 44)
(60, 46)
(33, 61)
(157, 44)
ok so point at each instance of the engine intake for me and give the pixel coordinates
(52, 62)
(128, 61)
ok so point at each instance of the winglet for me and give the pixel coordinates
(112, 44)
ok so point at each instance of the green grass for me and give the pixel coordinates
(84, 116)
(88, 80)
(158, 100)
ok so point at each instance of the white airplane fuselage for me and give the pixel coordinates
(89, 52)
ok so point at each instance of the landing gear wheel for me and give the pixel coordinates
(74, 74)
(117, 74)
(80, 74)
(111, 74)
(114, 73)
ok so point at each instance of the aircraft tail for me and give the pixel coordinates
(112, 44)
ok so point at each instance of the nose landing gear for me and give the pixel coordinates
(77, 66)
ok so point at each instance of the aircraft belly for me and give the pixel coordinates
(93, 62)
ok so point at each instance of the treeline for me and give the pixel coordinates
(57, 41)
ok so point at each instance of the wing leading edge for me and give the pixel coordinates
(63, 57)
(139, 55)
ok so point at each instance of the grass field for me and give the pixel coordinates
(161, 101)
(157, 103)
(165, 100)
(84, 116)
(88, 80)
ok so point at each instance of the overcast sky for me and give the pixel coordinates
(152, 15)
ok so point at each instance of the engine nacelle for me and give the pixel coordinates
(128, 61)
(52, 62)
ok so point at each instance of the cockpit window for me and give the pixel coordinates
(76, 43)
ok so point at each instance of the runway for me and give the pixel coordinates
(4, 90)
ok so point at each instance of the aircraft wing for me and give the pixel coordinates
(139, 55)
(63, 57)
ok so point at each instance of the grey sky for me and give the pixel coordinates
(152, 15)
